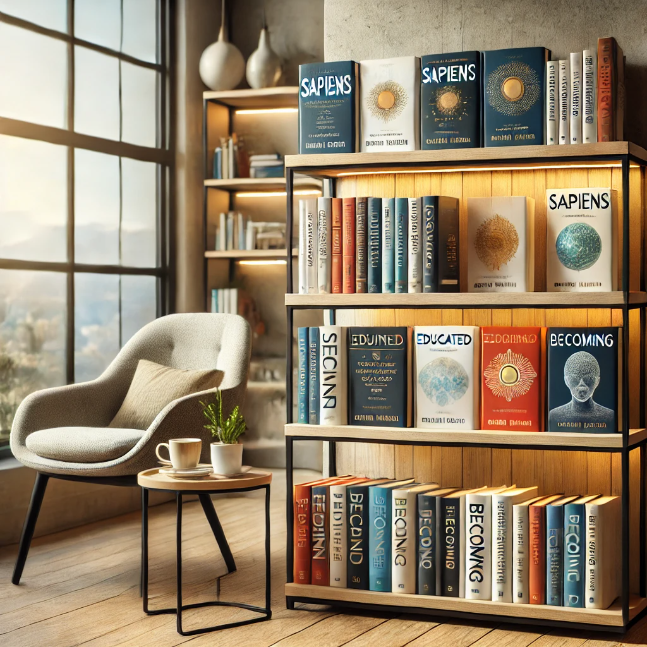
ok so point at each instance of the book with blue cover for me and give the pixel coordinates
(430, 244)
(313, 375)
(555, 551)
(388, 245)
(401, 245)
(374, 245)
(302, 386)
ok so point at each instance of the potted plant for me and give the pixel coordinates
(226, 452)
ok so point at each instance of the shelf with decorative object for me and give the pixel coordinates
(264, 184)
(249, 254)
(261, 99)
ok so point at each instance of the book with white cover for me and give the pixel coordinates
(324, 257)
(581, 240)
(502, 539)
(589, 96)
(576, 98)
(521, 551)
(446, 370)
(390, 104)
(415, 246)
(500, 239)
(333, 376)
(311, 246)
(552, 102)
(564, 81)
(302, 248)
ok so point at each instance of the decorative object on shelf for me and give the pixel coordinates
(264, 64)
(222, 66)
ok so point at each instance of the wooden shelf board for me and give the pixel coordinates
(283, 97)
(261, 184)
(250, 254)
(459, 437)
(609, 617)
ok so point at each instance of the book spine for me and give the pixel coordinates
(303, 389)
(302, 247)
(606, 117)
(537, 565)
(338, 539)
(401, 238)
(320, 528)
(593, 555)
(589, 85)
(552, 102)
(574, 529)
(348, 246)
(415, 247)
(576, 98)
(555, 555)
(333, 376)
(357, 520)
(403, 543)
(520, 593)
(450, 547)
(426, 582)
(502, 533)
(449, 269)
(311, 246)
(478, 542)
(324, 216)
(313, 375)
(302, 562)
(336, 271)
(564, 102)
(379, 539)
(374, 277)
(361, 252)
(388, 245)
(430, 245)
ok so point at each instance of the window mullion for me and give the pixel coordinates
(69, 345)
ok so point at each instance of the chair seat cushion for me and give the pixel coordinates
(83, 444)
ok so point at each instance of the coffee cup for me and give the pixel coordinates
(184, 453)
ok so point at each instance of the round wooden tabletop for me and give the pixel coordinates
(154, 480)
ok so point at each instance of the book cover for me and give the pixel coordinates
(575, 112)
(552, 102)
(311, 246)
(379, 365)
(401, 245)
(328, 111)
(511, 378)
(313, 376)
(414, 264)
(589, 96)
(514, 82)
(388, 245)
(450, 95)
(390, 104)
(581, 240)
(374, 277)
(303, 243)
(446, 370)
(430, 244)
(361, 249)
(348, 246)
(610, 90)
(583, 379)
(500, 239)
(324, 217)
(448, 245)
(332, 376)
(521, 550)
(336, 229)
(555, 551)
(564, 101)
(303, 386)
(537, 539)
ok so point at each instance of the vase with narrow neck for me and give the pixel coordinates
(222, 66)
(264, 65)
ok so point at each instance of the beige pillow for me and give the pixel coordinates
(154, 386)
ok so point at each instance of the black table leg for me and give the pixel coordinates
(218, 532)
(268, 556)
(178, 561)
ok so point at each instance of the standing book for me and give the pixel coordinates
(589, 96)
(336, 246)
(537, 538)
(430, 244)
(311, 246)
(374, 274)
(303, 385)
(313, 376)
(361, 250)
(555, 551)
(415, 246)
(332, 376)
(388, 245)
(303, 243)
(552, 102)
(611, 91)
(401, 245)
(575, 111)
(564, 101)
(521, 550)
(348, 246)
(324, 217)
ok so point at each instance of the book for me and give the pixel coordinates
(336, 229)
(575, 105)
(511, 378)
(610, 98)
(514, 100)
(430, 244)
(302, 247)
(324, 217)
(379, 376)
(603, 552)
(575, 551)
(390, 104)
(552, 102)
(503, 539)
(254, 162)
(266, 172)
(332, 376)
(448, 245)
(348, 245)
(564, 101)
(555, 551)
(414, 263)
(361, 245)
(537, 553)
(328, 110)
(405, 536)
(500, 239)
(311, 246)
(374, 259)
(388, 245)
(446, 370)
(379, 538)
(401, 245)
(583, 364)
(450, 97)
(521, 550)
(589, 96)
(303, 388)
(313, 375)
(581, 242)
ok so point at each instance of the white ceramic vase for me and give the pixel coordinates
(227, 460)
(222, 65)
(264, 65)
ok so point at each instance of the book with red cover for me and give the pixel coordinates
(537, 565)
(611, 91)
(336, 246)
(511, 378)
(348, 246)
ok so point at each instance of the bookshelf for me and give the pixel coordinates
(569, 463)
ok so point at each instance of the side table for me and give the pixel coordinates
(152, 480)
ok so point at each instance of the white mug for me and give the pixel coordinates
(184, 453)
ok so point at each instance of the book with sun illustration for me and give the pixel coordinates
(511, 379)
(500, 239)
(390, 104)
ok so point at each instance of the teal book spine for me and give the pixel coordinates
(375, 245)
(313, 374)
(555, 555)
(574, 537)
(430, 246)
(388, 245)
(401, 235)
(379, 539)
(302, 390)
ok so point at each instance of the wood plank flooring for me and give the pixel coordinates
(81, 587)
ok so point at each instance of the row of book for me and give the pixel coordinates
(462, 100)
(412, 245)
(230, 159)
(237, 231)
(505, 544)
(224, 301)
(461, 377)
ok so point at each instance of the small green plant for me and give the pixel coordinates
(226, 430)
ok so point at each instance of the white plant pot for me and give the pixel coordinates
(227, 460)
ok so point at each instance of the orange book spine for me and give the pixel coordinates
(348, 246)
(537, 566)
(320, 530)
(337, 246)
(302, 561)
(606, 116)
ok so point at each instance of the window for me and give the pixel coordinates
(85, 165)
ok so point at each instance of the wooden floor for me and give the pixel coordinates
(80, 587)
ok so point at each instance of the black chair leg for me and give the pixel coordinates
(30, 524)
(218, 532)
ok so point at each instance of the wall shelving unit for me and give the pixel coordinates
(568, 462)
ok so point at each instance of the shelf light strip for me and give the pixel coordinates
(482, 169)
(263, 111)
(275, 194)
(276, 262)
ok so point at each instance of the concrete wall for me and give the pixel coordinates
(366, 29)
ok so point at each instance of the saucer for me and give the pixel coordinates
(245, 469)
(195, 472)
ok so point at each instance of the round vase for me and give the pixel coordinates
(227, 460)
(222, 65)
(264, 65)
